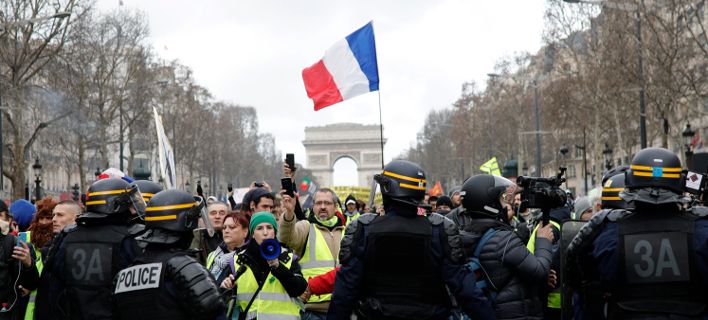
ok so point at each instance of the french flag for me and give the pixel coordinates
(347, 70)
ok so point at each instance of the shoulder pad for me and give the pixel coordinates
(437, 219)
(699, 211)
(365, 218)
(452, 236)
(617, 214)
(196, 286)
(346, 250)
(70, 228)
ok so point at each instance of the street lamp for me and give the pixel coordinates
(538, 120)
(3, 29)
(75, 192)
(687, 135)
(37, 168)
(607, 154)
(585, 162)
(640, 60)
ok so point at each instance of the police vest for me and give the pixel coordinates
(316, 260)
(402, 262)
(143, 291)
(656, 265)
(272, 301)
(92, 257)
(29, 312)
(554, 297)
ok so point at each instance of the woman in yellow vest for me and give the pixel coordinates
(39, 235)
(235, 232)
(267, 289)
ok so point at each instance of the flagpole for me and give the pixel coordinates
(381, 130)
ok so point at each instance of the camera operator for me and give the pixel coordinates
(545, 194)
(511, 273)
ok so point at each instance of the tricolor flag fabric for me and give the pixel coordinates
(348, 69)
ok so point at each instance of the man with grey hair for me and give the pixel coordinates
(316, 240)
(204, 243)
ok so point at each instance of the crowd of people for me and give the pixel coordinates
(134, 251)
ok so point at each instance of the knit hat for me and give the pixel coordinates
(581, 205)
(444, 200)
(22, 211)
(260, 217)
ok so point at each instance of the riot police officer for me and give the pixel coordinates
(147, 188)
(84, 258)
(612, 184)
(397, 265)
(164, 282)
(650, 262)
(509, 273)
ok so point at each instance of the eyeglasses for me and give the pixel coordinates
(324, 203)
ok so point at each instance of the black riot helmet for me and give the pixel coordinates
(109, 197)
(612, 184)
(176, 211)
(148, 189)
(487, 194)
(403, 181)
(655, 176)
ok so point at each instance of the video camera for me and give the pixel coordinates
(543, 193)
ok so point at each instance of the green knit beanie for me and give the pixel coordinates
(260, 217)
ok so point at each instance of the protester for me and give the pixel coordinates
(39, 235)
(350, 209)
(275, 298)
(316, 241)
(443, 205)
(235, 232)
(202, 241)
(17, 272)
(65, 214)
(5, 218)
(22, 212)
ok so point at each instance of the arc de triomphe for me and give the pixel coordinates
(326, 144)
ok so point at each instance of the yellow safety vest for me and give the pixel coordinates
(554, 298)
(272, 302)
(29, 312)
(318, 261)
(210, 259)
(352, 218)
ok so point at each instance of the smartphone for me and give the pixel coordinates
(230, 187)
(290, 160)
(22, 237)
(287, 185)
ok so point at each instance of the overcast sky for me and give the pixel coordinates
(252, 53)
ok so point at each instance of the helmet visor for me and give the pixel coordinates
(201, 208)
(137, 201)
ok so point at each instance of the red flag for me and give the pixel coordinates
(436, 190)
